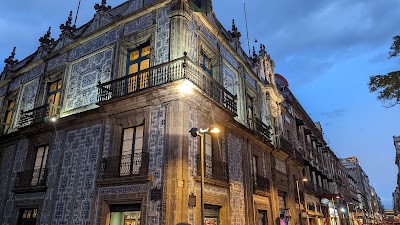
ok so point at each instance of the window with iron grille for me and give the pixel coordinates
(131, 150)
(39, 167)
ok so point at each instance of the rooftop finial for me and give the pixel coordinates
(255, 56)
(102, 7)
(10, 60)
(46, 37)
(67, 26)
(262, 49)
(234, 33)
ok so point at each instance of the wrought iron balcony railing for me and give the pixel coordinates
(309, 186)
(178, 69)
(38, 115)
(31, 178)
(213, 169)
(286, 146)
(125, 165)
(297, 156)
(260, 182)
(261, 128)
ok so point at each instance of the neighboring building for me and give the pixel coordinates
(95, 128)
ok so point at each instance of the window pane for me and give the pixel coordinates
(134, 55)
(127, 147)
(57, 99)
(144, 64)
(138, 145)
(11, 105)
(8, 119)
(133, 68)
(146, 51)
(139, 131)
(59, 84)
(128, 133)
(53, 87)
(50, 99)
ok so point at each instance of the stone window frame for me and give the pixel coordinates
(121, 198)
(119, 123)
(131, 42)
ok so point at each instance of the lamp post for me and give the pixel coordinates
(201, 132)
(298, 196)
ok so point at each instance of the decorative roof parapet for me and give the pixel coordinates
(103, 7)
(46, 40)
(67, 28)
(234, 33)
(10, 61)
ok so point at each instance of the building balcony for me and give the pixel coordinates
(38, 115)
(213, 169)
(286, 145)
(127, 167)
(178, 69)
(309, 186)
(31, 181)
(297, 156)
(261, 128)
(261, 183)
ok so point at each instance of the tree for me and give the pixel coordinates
(388, 85)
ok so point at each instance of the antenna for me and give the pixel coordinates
(247, 30)
(77, 11)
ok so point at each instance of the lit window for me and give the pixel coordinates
(250, 111)
(138, 60)
(208, 154)
(205, 63)
(9, 113)
(27, 216)
(131, 155)
(124, 214)
(53, 97)
(38, 174)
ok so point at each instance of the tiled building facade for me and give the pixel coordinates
(95, 128)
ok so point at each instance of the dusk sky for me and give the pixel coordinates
(326, 49)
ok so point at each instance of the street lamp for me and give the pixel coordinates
(298, 196)
(200, 132)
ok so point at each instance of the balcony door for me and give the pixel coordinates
(138, 60)
(38, 175)
(131, 155)
(8, 116)
(53, 97)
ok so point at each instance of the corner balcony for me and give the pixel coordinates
(31, 181)
(38, 115)
(286, 146)
(178, 69)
